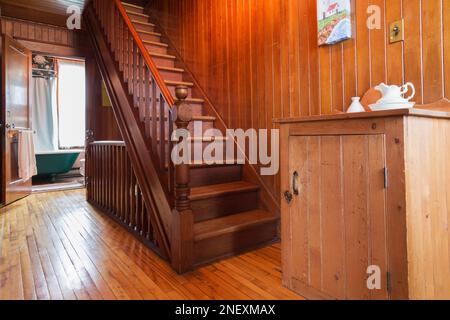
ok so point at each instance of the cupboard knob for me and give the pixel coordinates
(288, 196)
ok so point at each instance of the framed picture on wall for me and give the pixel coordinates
(335, 23)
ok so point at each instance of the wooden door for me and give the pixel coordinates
(334, 228)
(15, 116)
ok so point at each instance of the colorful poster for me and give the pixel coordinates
(335, 22)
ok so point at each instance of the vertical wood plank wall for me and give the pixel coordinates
(103, 121)
(26, 30)
(259, 60)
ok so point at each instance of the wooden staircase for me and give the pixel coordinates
(223, 214)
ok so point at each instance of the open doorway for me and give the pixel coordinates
(58, 108)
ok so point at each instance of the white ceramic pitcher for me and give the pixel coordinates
(394, 94)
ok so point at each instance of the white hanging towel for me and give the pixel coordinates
(27, 156)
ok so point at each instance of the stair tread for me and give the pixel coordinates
(132, 5)
(170, 69)
(204, 118)
(194, 118)
(197, 139)
(212, 191)
(179, 83)
(204, 139)
(143, 23)
(138, 14)
(162, 55)
(232, 223)
(154, 43)
(193, 100)
(149, 32)
(201, 165)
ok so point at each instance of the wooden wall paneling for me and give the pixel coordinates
(349, 65)
(294, 61)
(413, 56)
(234, 59)
(313, 60)
(302, 25)
(31, 31)
(446, 34)
(395, 66)
(432, 54)
(285, 67)
(337, 77)
(378, 47)
(268, 25)
(325, 79)
(362, 48)
(246, 65)
(266, 113)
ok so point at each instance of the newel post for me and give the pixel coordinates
(182, 246)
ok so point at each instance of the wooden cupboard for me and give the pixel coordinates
(366, 190)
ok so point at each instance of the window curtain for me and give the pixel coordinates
(44, 114)
(71, 103)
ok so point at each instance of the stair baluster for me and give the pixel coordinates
(182, 217)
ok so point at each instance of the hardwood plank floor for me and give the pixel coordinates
(57, 246)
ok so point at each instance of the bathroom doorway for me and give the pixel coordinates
(58, 107)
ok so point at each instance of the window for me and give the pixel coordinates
(71, 103)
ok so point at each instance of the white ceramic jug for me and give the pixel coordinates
(394, 94)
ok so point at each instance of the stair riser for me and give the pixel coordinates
(204, 145)
(133, 9)
(150, 37)
(224, 206)
(211, 175)
(234, 243)
(144, 27)
(173, 76)
(197, 109)
(157, 49)
(164, 62)
(172, 91)
(206, 125)
(136, 17)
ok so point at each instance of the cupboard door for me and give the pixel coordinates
(335, 226)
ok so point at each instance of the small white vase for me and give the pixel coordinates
(356, 106)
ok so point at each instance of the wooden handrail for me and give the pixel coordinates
(147, 58)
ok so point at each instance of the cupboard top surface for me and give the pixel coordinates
(418, 112)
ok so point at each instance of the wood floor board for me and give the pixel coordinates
(56, 246)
